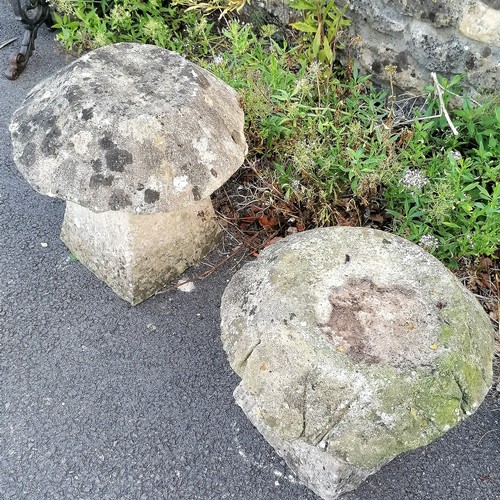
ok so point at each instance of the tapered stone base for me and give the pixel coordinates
(137, 254)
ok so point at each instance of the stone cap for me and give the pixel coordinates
(129, 127)
(355, 295)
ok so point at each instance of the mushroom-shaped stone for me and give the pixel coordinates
(353, 346)
(135, 138)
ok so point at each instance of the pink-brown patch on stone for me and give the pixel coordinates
(376, 324)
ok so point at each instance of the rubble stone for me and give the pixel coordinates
(353, 346)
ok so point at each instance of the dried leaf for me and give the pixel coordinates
(377, 218)
(485, 263)
(267, 221)
(486, 478)
(484, 280)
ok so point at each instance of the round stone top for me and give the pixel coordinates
(363, 294)
(129, 127)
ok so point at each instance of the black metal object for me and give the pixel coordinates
(32, 13)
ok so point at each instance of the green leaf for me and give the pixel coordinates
(58, 19)
(303, 26)
(450, 224)
(414, 212)
(316, 42)
(281, 96)
(328, 50)
(485, 193)
(302, 4)
(470, 186)
(455, 80)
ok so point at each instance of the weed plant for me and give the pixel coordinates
(320, 131)
(87, 24)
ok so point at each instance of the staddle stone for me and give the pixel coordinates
(353, 346)
(135, 138)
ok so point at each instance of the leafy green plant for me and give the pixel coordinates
(323, 136)
(321, 25)
(458, 204)
(87, 25)
(224, 6)
(322, 22)
(329, 149)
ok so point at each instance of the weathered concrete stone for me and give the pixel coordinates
(138, 130)
(447, 37)
(277, 8)
(422, 36)
(129, 127)
(353, 346)
(142, 251)
(482, 23)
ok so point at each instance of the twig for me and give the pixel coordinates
(486, 433)
(203, 275)
(399, 118)
(407, 122)
(221, 216)
(208, 273)
(481, 297)
(8, 42)
(225, 229)
(243, 255)
(441, 104)
(461, 97)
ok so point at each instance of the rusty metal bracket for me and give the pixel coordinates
(32, 13)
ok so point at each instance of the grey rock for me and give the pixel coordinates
(353, 346)
(440, 13)
(443, 52)
(135, 138)
(482, 23)
(129, 127)
(278, 8)
(381, 16)
(419, 37)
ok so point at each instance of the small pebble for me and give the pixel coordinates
(187, 286)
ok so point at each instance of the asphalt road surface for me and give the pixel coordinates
(101, 400)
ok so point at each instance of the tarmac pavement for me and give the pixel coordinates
(101, 400)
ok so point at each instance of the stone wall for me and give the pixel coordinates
(422, 36)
